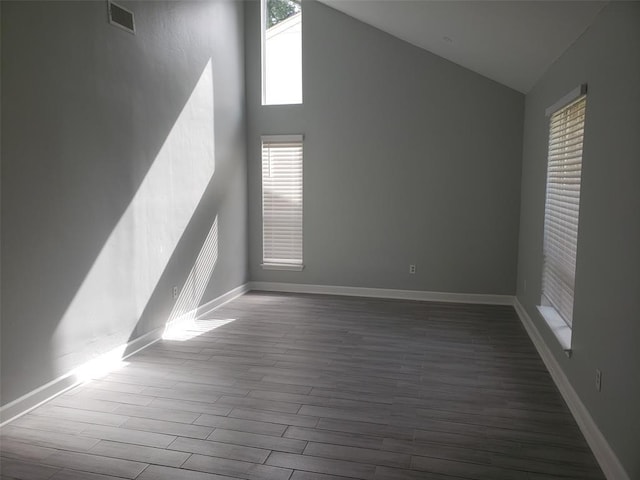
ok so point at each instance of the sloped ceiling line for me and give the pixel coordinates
(511, 42)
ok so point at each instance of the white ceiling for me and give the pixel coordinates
(512, 42)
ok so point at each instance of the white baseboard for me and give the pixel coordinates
(35, 398)
(221, 300)
(58, 386)
(383, 293)
(609, 462)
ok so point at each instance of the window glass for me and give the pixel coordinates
(281, 52)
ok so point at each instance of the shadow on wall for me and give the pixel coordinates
(193, 289)
(118, 287)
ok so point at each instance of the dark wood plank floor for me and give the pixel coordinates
(302, 387)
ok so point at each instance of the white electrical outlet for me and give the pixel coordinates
(412, 269)
(175, 292)
(598, 380)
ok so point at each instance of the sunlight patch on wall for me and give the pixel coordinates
(182, 324)
(193, 289)
(119, 285)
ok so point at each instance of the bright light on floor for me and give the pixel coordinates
(188, 329)
(101, 366)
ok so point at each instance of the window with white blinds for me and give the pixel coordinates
(564, 168)
(282, 202)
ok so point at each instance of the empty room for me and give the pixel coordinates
(320, 240)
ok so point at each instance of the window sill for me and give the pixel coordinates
(282, 266)
(558, 326)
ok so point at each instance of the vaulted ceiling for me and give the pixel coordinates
(512, 42)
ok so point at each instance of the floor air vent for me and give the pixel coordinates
(121, 17)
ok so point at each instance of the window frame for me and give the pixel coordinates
(268, 262)
(560, 239)
(263, 58)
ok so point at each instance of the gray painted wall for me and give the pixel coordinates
(606, 326)
(108, 193)
(409, 159)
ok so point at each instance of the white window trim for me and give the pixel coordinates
(574, 94)
(282, 266)
(559, 327)
(282, 138)
(263, 50)
(270, 265)
(263, 59)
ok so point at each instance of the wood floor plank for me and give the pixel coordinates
(68, 474)
(388, 473)
(272, 387)
(79, 415)
(50, 424)
(25, 451)
(260, 404)
(48, 439)
(358, 454)
(335, 438)
(242, 425)
(317, 401)
(21, 469)
(168, 428)
(138, 453)
(268, 442)
(112, 385)
(321, 465)
(150, 412)
(190, 406)
(235, 468)
(115, 396)
(135, 437)
(156, 472)
(300, 420)
(129, 376)
(81, 403)
(177, 394)
(584, 472)
(300, 475)
(473, 450)
(470, 471)
(96, 464)
(357, 414)
(220, 450)
(405, 432)
(216, 389)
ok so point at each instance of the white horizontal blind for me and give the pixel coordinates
(282, 200)
(566, 132)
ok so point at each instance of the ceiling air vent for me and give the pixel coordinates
(121, 17)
